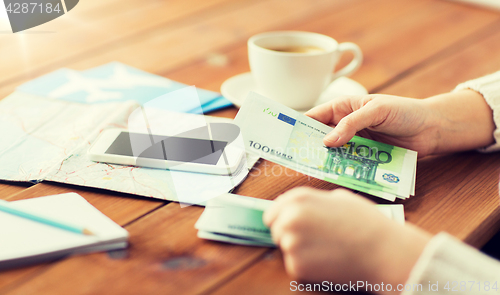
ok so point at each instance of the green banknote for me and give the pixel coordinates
(237, 219)
(287, 137)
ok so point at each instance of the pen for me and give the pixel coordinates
(8, 208)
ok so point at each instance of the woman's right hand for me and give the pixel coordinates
(444, 123)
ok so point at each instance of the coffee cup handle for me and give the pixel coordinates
(355, 62)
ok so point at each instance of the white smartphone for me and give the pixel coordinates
(169, 152)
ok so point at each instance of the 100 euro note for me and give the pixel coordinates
(289, 138)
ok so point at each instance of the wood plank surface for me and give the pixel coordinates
(474, 59)
(389, 53)
(89, 29)
(142, 39)
(8, 188)
(271, 265)
(178, 45)
(414, 48)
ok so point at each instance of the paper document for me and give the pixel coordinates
(289, 138)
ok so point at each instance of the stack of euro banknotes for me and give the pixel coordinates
(289, 138)
(237, 219)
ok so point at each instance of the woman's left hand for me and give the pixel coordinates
(340, 237)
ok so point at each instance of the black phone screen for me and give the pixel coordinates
(181, 149)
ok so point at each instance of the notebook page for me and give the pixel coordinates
(21, 237)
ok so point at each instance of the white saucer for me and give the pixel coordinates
(236, 88)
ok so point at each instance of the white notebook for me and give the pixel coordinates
(23, 241)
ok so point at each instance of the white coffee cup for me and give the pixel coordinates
(294, 67)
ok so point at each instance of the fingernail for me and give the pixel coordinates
(332, 137)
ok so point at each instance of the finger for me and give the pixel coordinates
(286, 223)
(295, 195)
(291, 267)
(341, 192)
(345, 194)
(333, 111)
(291, 193)
(366, 116)
(271, 214)
(322, 113)
(278, 227)
(279, 203)
(276, 234)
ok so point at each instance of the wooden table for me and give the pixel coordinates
(414, 48)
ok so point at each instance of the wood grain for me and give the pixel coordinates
(389, 43)
(172, 46)
(10, 188)
(95, 29)
(413, 48)
(460, 201)
(271, 265)
(149, 39)
(474, 58)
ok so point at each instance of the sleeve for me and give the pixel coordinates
(489, 87)
(444, 261)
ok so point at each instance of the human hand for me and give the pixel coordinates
(340, 237)
(449, 122)
(399, 121)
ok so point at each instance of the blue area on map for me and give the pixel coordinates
(114, 82)
(287, 119)
(45, 84)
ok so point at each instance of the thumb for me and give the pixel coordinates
(366, 116)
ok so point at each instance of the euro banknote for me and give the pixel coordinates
(289, 138)
(235, 219)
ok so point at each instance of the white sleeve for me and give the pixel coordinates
(446, 260)
(489, 87)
